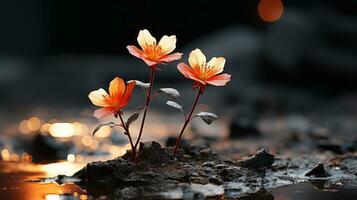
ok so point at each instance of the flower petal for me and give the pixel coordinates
(150, 62)
(127, 94)
(133, 50)
(116, 87)
(98, 97)
(219, 80)
(197, 58)
(167, 44)
(145, 39)
(188, 72)
(171, 57)
(103, 112)
(216, 66)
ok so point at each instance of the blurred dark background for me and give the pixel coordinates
(293, 66)
(285, 56)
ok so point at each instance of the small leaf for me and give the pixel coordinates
(111, 124)
(140, 84)
(174, 105)
(207, 117)
(140, 109)
(132, 119)
(171, 92)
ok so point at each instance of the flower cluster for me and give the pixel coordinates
(153, 54)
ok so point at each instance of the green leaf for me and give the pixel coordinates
(140, 109)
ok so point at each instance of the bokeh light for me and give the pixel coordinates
(62, 130)
(270, 10)
(71, 158)
(65, 168)
(105, 131)
(87, 140)
(5, 154)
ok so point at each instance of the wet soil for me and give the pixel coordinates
(199, 173)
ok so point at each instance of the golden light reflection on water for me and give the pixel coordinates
(77, 131)
(65, 168)
(71, 158)
(116, 151)
(58, 197)
(53, 197)
(14, 177)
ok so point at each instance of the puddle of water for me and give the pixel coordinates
(314, 191)
(15, 184)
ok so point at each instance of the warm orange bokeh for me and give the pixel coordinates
(204, 73)
(153, 54)
(270, 10)
(118, 97)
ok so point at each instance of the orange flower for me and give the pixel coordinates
(204, 73)
(118, 97)
(153, 54)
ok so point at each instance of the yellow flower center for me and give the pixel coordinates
(202, 71)
(113, 102)
(153, 52)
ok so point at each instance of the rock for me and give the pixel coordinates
(196, 151)
(208, 164)
(201, 191)
(105, 171)
(261, 160)
(206, 152)
(215, 180)
(329, 146)
(230, 173)
(221, 166)
(152, 152)
(319, 184)
(336, 146)
(318, 171)
(244, 124)
(350, 165)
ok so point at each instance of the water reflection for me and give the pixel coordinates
(104, 146)
(41, 140)
(65, 168)
(68, 196)
(14, 177)
(309, 191)
(261, 195)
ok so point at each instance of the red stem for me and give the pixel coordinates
(147, 103)
(188, 119)
(133, 150)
